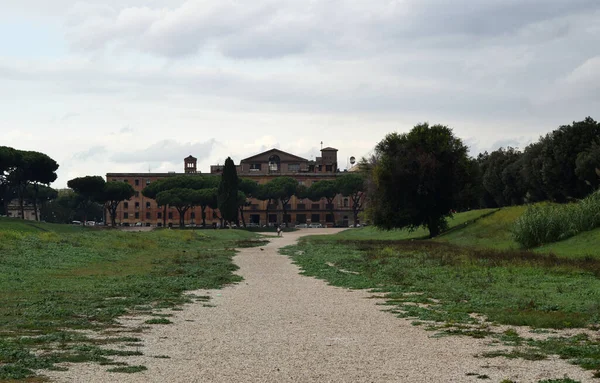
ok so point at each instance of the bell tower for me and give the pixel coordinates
(190, 164)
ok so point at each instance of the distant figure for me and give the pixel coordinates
(279, 233)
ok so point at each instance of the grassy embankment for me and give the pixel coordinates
(474, 268)
(55, 279)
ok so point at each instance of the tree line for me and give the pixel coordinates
(421, 177)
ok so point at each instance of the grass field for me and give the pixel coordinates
(475, 268)
(55, 279)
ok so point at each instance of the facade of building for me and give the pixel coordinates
(262, 168)
(14, 210)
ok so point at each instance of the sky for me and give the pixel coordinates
(136, 86)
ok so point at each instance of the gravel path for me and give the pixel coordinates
(279, 326)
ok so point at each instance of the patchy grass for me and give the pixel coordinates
(477, 268)
(128, 369)
(55, 279)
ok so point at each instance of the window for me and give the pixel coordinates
(328, 206)
(147, 181)
(137, 215)
(125, 215)
(274, 163)
(147, 205)
(315, 217)
(137, 193)
(159, 224)
(126, 180)
(254, 206)
(315, 206)
(301, 206)
(328, 168)
(137, 182)
(345, 202)
(147, 215)
(137, 205)
(193, 215)
(328, 217)
(301, 218)
(294, 167)
(126, 205)
(170, 215)
(159, 215)
(254, 167)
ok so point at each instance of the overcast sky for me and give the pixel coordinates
(133, 86)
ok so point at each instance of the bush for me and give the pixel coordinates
(541, 224)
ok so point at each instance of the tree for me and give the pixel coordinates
(265, 192)
(90, 189)
(559, 156)
(207, 198)
(113, 193)
(587, 165)
(282, 189)
(248, 187)
(42, 195)
(228, 192)
(9, 160)
(327, 189)
(414, 178)
(502, 177)
(40, 170)
(194, 182)
(180, 199)
(353, 185)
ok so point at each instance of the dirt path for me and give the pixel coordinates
(279, 326)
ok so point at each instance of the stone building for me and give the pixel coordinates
(262, 168)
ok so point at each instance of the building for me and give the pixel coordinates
(14, 210)
(262, 168)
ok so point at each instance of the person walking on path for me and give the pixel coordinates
(279, 232)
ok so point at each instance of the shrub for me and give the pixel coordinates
(542, 224)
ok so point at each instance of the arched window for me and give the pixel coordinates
(274, 163)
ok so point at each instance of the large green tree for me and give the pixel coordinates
(559, 159)
(327, 189)
(353, 185)
(282, 190)
(248, 187)
(228, 192)
(180, 199)
(90, 190)
(415, 178)
(40, 170)
(207, 198)
(588, 165)
(113, 193)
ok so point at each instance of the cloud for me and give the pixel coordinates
(270, 28)
(92, 152)
(169, 151)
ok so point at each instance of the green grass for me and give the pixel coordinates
(475, 268)
(492, 231)
(367, 233)
(58, 278)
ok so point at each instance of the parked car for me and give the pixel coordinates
(252, 224)
(315, 226)
(301, 226)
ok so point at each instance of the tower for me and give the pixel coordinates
(190, 164)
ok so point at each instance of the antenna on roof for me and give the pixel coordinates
(321, 145)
